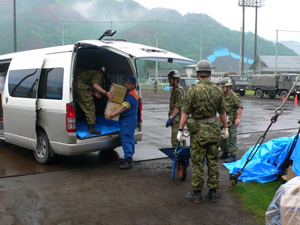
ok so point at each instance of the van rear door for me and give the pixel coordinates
(138, 51)
(20, 100)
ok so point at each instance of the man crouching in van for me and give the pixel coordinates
(83, 82)
(128, 121)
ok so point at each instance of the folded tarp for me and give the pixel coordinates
(267, 162)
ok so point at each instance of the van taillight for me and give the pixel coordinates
(71, 118)
(140, 115)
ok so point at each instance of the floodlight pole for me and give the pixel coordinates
(15, 27)
(242, 3)
(256, 4)
(276, 52)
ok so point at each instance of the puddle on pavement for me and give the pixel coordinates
(17, 161)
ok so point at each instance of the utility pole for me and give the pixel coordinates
(15, 27)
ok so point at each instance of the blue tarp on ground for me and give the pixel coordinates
(220, 51)
(267, 162)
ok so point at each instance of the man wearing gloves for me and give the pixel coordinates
(234, 108)
(203, 102)
(176, 102)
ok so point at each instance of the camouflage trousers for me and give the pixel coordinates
(198, 155)
(230, 144)
(86, 102)
(174, 132)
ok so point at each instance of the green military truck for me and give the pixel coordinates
(239, 82)
(273, 85)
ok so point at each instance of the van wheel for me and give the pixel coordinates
(259, 93)
(42, 153)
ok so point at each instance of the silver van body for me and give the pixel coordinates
(39, 106)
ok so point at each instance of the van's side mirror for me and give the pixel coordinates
(108, 33)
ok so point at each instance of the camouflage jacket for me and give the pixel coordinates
(176, 100)
(203, 101)
(86, 79)
(233, 103)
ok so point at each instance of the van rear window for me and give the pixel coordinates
(51, 83)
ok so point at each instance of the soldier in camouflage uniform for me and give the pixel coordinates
(202, 102)
(84, 83)
(234, 108)
(176, 102)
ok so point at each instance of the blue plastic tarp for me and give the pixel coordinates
(103, 125)
(220, 51)
(267, 162)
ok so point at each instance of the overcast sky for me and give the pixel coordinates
(282, 15)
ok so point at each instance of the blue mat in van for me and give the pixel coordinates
(103, 125)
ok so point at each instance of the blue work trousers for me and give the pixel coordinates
(127, 128)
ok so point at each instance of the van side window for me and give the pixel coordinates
(51, 83)
(23, 83)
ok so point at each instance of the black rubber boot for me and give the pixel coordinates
(92, 130)
(194, 196)
(212, 195)
(225, 155)
(232, 158)
(127, 164)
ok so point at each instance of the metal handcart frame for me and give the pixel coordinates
(180, 156)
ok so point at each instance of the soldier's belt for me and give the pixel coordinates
(206, 120)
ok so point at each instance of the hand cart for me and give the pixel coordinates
(180, 157)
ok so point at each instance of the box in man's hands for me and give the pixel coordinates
(114, 104)
(119, 93)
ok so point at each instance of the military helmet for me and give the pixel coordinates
(203, 66)
(225, 82)
(174, 74)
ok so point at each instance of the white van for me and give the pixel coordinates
(39, 107)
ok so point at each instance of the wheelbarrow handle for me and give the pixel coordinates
(174, 160)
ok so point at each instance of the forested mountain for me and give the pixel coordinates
(45, 23)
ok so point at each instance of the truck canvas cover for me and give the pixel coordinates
(267, 81)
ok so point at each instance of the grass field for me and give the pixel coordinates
(256, 197)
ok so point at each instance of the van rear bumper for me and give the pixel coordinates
(90, 145)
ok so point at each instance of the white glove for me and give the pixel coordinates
(224, 133)
(180, 136)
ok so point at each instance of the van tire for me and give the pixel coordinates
(42, 154)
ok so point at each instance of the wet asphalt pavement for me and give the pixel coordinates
(16, 161)
(90, 189)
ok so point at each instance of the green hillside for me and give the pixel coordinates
(45, 23)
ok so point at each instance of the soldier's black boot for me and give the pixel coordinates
(225, 155)
(127, 164)
(232, 158)
(92, 130)
(194, 196)
(212, 195)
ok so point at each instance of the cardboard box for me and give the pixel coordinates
(290, 173)
(289, 209)
(119, 92)
(112, 107)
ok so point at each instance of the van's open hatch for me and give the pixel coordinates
(138, 51)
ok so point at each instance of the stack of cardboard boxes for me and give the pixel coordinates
(114, 104)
